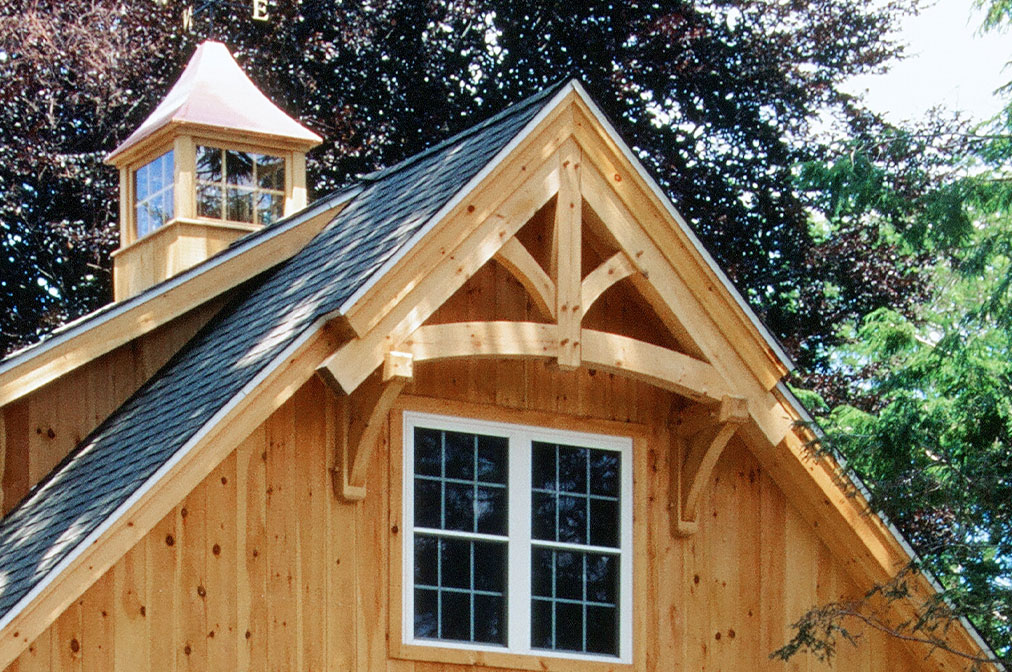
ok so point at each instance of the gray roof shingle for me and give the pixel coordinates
(273, 311)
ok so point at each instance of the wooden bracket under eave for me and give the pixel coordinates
(360, 421)
(701, 433)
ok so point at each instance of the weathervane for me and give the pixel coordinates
(258, 10)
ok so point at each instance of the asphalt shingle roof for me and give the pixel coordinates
(276, 308)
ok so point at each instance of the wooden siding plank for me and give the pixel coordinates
(221, 561)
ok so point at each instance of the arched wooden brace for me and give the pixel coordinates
(701, 434)
(617, 267)
(626, 356)
(515, 258)
(360, 419)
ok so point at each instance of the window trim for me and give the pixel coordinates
(520, 543)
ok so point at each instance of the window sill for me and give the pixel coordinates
(560, 662)
(177, 223)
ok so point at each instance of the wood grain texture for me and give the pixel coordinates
(42, 427)
(309, 583)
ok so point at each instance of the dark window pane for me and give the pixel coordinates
(602, 630)
(426, 503)
(270, 172)
(541, 571)
(426, 623)
(543, 516)
(456, 619)
(490, 566)
(604, 522)
(459, 507)
(269, 208)
(543, 466)
(209, 164)
(238, 168)
(573, 469)
(568, 626)
(569, 575)
(460, 455)
(240, 205)
(489, 619)
(492, 460)
(426, 560)
(572, 519)
(541, 624)
(491, 510)
(602, 578)
(455, 555)
(605, 471)
(427, 451)
(209, 201)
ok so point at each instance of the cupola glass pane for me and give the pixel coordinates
(153, 194)
(239, 186)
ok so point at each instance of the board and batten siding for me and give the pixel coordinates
(261, 567)
(42, 427)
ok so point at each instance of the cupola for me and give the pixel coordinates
(214, 161)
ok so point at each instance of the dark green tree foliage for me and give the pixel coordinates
(920, 402)
(717, 98)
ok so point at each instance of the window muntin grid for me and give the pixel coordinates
(460, 488)
(575, 504)
(154, 194)
(239, 186)
(606, 595)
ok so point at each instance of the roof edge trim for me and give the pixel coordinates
(86, 322)
(159, 474)
(847, 472)
(602, 118)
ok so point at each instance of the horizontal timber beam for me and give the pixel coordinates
(650, 363)
(667, 369)
(482, 339)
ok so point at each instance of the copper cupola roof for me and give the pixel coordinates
(213, 92)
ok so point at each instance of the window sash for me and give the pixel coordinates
(520, 544)
(227, 191)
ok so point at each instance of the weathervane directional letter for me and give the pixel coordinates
(260, 10)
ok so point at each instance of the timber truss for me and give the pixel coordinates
(563, 295)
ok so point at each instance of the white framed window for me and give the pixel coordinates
(518, 538)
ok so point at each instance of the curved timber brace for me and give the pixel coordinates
(701, 434)
(361, 417)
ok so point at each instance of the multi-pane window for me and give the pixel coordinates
(239, 186)
(575, 552)
(153, 194)
(520, 538)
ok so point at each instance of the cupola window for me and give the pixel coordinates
(239, 186)
(153, 184)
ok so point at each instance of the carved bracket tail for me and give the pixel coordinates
(701, 433)
(360, 423)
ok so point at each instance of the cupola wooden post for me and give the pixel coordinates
(214, 161)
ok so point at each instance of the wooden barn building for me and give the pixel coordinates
(491, 407)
